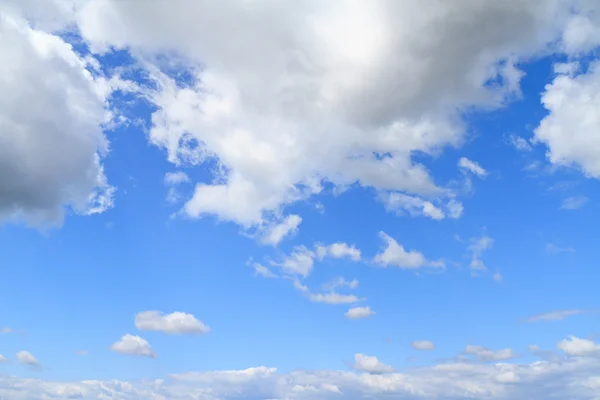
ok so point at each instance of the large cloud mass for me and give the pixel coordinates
(283, 97)
(288, 96)
(51, 139)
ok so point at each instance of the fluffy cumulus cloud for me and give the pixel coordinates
(370, 364)
(359, 313)
(26, 358)
(314, 106)
(338, 250)
(307, 111)
(298, 263)
(570, 129)
(134, 346)
(395, 255)
(574, 346)
(51, 137)
(174, 323)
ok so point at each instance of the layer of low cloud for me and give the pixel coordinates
(574, 376)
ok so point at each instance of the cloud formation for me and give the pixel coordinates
(134, 346)
(174, 323)
(26, 358)
(359, 312)
(395, 255)
(52, 113)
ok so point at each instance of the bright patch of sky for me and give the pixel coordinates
(299, 200)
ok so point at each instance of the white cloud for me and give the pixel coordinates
(485, 354)
(308, 107)
(172, 180)
(134, 346)
(370, 364)
(471, 166)
(176, 178)
(298, 263)
(570, 128)
(51, 139)
(174, 323)
(556, 249)
(330, 297)
(574, 346)
(573, 378)
(582, 32)
(498, 277)
(2, 359)
(340, 282)
(455, 209)
(263, 271)
(573, 203)
(395, 255)
(275, 232)
(519, 143)
(556, 315)
(423, 345)
(333, 298)
(412, 205)
(338, 250)
(476, 249)
(359, 313)
(6, 330)
(82, 353)
(26, 358)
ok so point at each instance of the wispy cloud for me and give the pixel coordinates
(555, 249)
(558, 315)
(573, 203)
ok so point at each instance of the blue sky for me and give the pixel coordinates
(299, 202)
